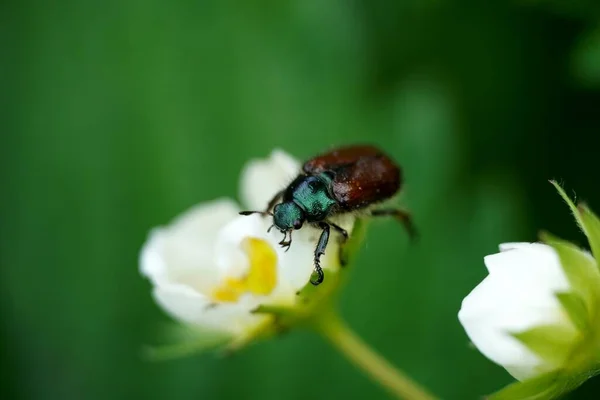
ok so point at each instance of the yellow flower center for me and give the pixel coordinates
(262, 275)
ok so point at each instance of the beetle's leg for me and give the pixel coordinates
(340, 230)
(344, 234)
(274, 201)
(284, 237)
(287, 244)
(319, 251)
(401, 215)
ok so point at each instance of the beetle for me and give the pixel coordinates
(344, 180)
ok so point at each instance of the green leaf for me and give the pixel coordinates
(580, 269)
(552, 343)
(184, 342)
(592, 228)
(577, 310)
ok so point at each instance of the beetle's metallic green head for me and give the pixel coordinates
(288, 216)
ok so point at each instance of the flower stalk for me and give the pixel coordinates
(327, 323)
(335, 331)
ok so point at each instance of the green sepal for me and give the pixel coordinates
(570, 203)
(586, 219)
(549, 386)
(184, 341)
(552, 343)
(577, 310)
(270, 326)
(310, 291)
(592, 228)
(349, 249)
(581, 271)
(274, 310)
(544, 387)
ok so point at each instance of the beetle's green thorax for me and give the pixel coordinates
(311, 194)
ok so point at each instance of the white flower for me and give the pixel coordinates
(537, 313)
(211, 267)
(520, 295)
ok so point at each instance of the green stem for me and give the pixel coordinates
(331, 327)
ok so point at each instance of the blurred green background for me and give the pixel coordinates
(118, 115)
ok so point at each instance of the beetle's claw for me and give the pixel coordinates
(285, 245)
(320, 275)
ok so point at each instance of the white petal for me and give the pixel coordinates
(183, 251)
(230, 258)
(262, 179)
(514, 245)
(203, 220)
(535, 264)
(297, 264)
(190, 307)
(478, 315)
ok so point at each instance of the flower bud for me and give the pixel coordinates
(537, 313)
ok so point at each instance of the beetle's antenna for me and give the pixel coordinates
(263, 213)
(271, 227)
